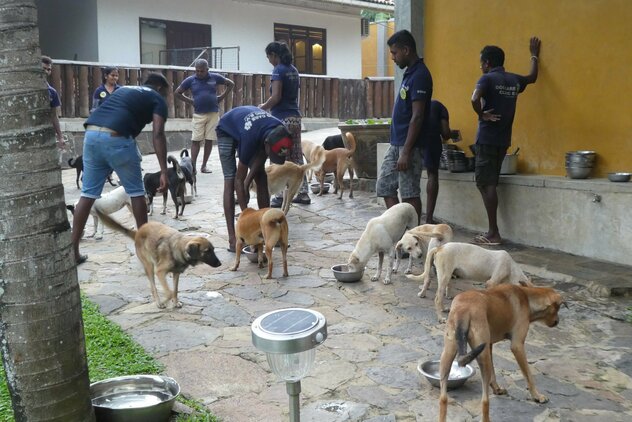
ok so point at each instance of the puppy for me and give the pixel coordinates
(77, 164)
(380, 235)
(333, 142)
(419, 241)
(337, 161)
(163, 250)
(468, 261)
(258, 227)
(289, 176)
(108, 203)
(481, 318)
(177, 186)
(187, 168)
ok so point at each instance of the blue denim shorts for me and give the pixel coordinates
(227, 147)
(407, 182)
(103, 153)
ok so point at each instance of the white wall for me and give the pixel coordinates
(234, 23)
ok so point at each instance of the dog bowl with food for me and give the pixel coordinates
(619, 177)
(251, 254)
(458, 375)
(316, 187)
(138, 398)
(344, 275)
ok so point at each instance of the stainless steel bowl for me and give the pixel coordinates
(251, 254)
(619, 177)
(458, 375)
(315, 187)
(329, 177)
(578, 172)
(134, 398)
(342, 273)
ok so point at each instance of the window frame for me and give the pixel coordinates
(291, 33)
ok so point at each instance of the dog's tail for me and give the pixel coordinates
(273, 217)
(184, 153)
(463, 358)
(429, 258)
(351, 142)
(113, 224)
(171, 159)
(317, 160)
(71, 162)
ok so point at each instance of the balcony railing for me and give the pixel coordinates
(320, 96)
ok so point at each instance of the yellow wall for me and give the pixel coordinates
(369, 50)
(583, 96)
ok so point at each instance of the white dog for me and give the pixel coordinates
(108, 203)
(419, 240)
(468, 261)
(380, 236)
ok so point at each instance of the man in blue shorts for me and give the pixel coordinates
(402, 165)
(438, 131)
(109, 145)
(255, 136)
(205, 101)
(494, 101)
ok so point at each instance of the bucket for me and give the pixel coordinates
(510, 164)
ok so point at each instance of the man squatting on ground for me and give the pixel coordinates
(109, 144)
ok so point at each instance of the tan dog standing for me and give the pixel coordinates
(481, 318)
(308, 148)
(419, 241)
(471, 262)
(258, 227)
(164, 250)
(288, 177)
(338, 161)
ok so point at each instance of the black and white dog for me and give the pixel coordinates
(77, 164)
(187, 168)
(107, 204)
(177, 186)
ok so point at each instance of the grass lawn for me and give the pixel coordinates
(111, 353)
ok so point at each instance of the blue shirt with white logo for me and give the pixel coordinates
(416, 86)
(288, 106)
(499, 91)
(204, 91)
(249, 126)
(128, 110)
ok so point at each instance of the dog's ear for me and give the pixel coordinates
(193, 249)
(398, 247)
(419, 239)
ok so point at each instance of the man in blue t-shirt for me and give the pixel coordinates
(205, 101)
(494, 101)
(254, 135)
(109, 145)
(402, 165)
(55, 102)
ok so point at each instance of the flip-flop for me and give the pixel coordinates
(82, 259)
(484, 241)
(205, 170)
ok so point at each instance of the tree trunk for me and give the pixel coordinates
(41, 329)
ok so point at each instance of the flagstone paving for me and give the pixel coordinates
(366, 370)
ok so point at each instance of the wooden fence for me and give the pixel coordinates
(319, 96)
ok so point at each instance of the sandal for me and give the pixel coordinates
(205, 170)
(482, 240)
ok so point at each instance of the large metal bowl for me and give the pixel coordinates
(251, 254)
(458, 375)
(316, 187)
(619, 177)
(134, 398)
(342, 273)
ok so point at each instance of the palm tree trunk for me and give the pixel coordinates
(41, 329)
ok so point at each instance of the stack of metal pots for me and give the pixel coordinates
(579, 164)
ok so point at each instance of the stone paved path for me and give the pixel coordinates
(366, 369)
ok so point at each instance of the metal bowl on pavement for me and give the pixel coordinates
(342, 273)
(251, 254)
(315, 187)
(619, 177)
(137, 398)
(458, 375)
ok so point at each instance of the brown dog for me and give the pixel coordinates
(163, 250)
(288, 177)
(308, 148)
(258, 227)
(481, 318)
(337, 161)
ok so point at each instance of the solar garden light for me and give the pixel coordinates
(289, 338)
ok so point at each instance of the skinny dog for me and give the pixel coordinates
(258, 227)
(108, 203)
(308, 148)
(289, 176)
(163, 250)
(186, 164)
(177, 186)
(481, 318)
(338, 161)
(77, 164)
(380, 235)
(419, 241)
(471, 262)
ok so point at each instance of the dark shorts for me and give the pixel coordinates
(390, 181)
(489, 159)
(432, 155)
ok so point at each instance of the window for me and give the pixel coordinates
(172, 43)
(309, 47)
